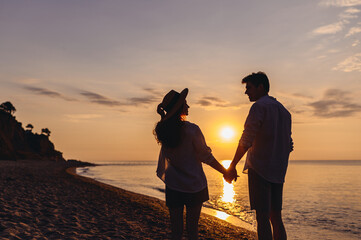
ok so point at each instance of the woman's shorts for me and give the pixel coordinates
(264, 196)
(176, 198)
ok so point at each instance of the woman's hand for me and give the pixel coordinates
(230, 175)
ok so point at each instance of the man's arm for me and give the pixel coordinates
(251, 127)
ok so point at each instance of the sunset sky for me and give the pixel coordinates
(94, 71)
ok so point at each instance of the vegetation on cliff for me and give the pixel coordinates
(17, 143)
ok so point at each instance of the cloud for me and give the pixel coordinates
(329, 29)
(335, 103)
(47, 92)
(100, 99)
(356, 43)
(294, 96)
(142, 100)
(301, 96)
(340, 3)
(352, 10)
(214, 102)
(350, 64)
(81, 117)
(343, 20)
(153, 91)
(29, 81)
(353, 31)
(211, 101)
(296, 109)
(334, 51)
(294, 102)
(349, 13)
(337, 94)
(153, 96)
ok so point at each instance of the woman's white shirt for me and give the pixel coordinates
(180, 168)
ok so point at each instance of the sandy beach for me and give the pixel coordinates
(47, 200)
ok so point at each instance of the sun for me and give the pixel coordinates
(227, 133)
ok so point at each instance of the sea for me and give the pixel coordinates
(322, 199)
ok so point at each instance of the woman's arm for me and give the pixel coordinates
(216, 165)
(205, 153)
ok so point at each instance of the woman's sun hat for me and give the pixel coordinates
(171, 103)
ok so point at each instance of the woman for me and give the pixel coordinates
(180, 163)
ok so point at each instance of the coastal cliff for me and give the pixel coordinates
(17, 143)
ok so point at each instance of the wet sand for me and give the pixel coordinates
(47, 200)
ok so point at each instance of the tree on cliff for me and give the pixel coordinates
(46, 131)
(8, 107)
(30, 127)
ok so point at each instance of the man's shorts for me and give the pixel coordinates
(175, 198)
(264, 196)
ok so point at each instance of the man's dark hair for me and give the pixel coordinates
(256, 79)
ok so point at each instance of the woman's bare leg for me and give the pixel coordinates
(193, 214)
(176, 220)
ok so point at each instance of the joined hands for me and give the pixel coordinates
(230, 175)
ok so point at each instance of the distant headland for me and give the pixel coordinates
(17, 143)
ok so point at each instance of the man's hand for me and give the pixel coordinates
(230, 175)
(231, 172)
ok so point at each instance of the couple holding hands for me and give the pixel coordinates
(266, 138)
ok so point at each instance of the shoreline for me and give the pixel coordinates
(206, 210)
(49, 200)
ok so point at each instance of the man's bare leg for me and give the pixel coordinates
(279, 231)
(264, 230)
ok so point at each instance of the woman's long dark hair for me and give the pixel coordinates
(168, 132)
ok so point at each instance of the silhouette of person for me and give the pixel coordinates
(267, 138)
(183, 149)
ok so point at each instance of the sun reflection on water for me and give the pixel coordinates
(222, 215)
(228, 195)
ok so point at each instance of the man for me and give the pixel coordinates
(267, 138)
